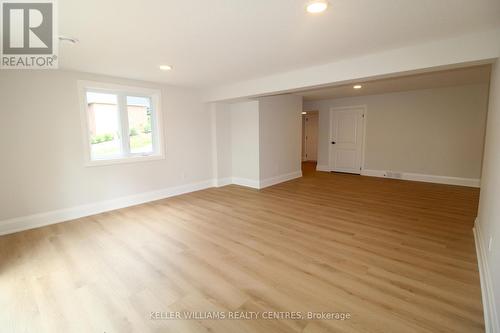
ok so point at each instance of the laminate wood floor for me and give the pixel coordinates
(397, 256)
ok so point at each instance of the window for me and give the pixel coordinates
(122, 124)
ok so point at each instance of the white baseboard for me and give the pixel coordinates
(491, 320)
(320, 167)
(56, 216)
(279, 179)
(246, 182)
(265, 182)
(471, 182)
(373, 173)
(223, 182)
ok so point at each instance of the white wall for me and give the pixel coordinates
(280, 133)
(257, 143)
(221, 141)
(42, 161)
(432, 132)
(488, 226)
(245, 141)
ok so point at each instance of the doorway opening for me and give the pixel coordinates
(310, 136)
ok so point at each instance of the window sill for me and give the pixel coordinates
(124, 160)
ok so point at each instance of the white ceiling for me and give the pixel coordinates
(223, 41)
(456, 77)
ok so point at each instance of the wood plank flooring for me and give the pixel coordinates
(397, 256)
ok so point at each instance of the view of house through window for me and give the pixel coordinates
(120, 125)
(103, 125)
(139, 121)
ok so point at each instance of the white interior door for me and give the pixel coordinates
(311, 137)
(346, 139)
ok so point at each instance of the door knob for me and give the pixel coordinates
(333, 142)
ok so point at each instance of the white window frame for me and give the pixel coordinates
(122, 92)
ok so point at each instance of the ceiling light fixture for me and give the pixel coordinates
(316, 6)
(358, 86)
(165, 67)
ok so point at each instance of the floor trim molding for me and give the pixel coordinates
(470, 182)
(321, 167)
(223, 182)
(245, 182)
(491, 320)
(61, 215)
(280, 179)
(260, 184)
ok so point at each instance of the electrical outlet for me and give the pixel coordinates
(490, 244)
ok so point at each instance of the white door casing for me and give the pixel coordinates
(347, 127)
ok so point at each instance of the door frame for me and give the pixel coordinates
(363, 134)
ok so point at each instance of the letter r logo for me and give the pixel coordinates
(27, 28)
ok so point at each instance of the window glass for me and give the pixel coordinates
(103, 125)
(139, 114)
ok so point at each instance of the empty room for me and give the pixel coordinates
(250, 166)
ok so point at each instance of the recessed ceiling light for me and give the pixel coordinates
(358, 86)
(304, 112)
(316, 6)
(165, 67)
